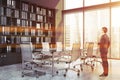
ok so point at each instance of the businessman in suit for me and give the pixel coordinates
(104, 45)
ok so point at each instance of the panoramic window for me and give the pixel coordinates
(86, 25)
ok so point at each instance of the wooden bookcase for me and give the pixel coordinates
(22, 21)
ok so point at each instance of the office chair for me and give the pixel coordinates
(28, 64)
(59, 49)
(46, 50)
(48, 55)
(60, 52)
(87, 56)
(35, 54)
(74, 55)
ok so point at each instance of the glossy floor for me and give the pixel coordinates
(13, 72)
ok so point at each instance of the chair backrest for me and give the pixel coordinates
(90, 49)
(86, 45)
(59, 46)
(32, 47)
(75, 53)
(26, 52)
(45, 46)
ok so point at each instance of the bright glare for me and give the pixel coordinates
(70, 4)
(94, 2)
(115, 17)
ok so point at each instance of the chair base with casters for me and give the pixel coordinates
(29, 72)
(87, 62)
(87, 56)
(29, 68)
(69, 68)
(72, 57)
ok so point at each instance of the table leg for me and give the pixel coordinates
(52, 64)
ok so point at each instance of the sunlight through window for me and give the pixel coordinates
(70, 4)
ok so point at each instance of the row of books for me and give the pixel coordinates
(8, 40)
(17, 22)
(24, 31)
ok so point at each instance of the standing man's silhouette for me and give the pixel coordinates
(104, 45)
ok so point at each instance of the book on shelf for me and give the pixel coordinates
(37, 39)
(18, 22)
(1, 10)
(9, 2)
(3, 20)
(41, 18)
(33, 32)
(13, 4)
(43, 11)
(50, 26)
(42, 39)
(39, 32)
(24, 6)
(2, 39)
(49, 33)
(32, 8)
(13, 39)
(32, 16)
(8, 12)
(24, 15)
(16, 13)
(26, 31)
(45, 19)
(8, 48)
(49, 13)
(38, 25)
(25, 39)
(6, 30)
(18, 39)
(46, 26)
(48, 39)
(38, 10)
(41, 25)
(24, 23)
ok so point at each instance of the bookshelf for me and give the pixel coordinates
(22, 21)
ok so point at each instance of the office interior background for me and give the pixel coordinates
(67, 21)
(79, 20)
